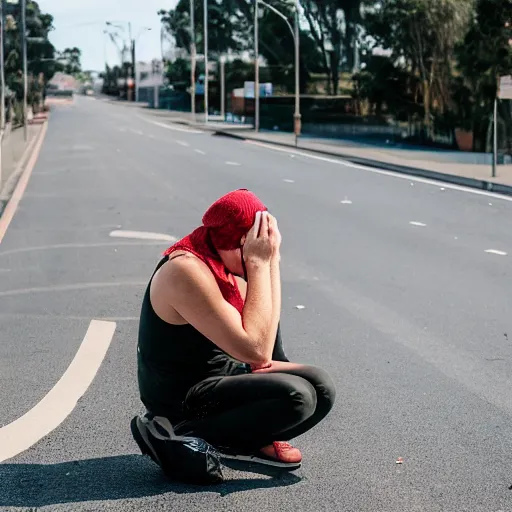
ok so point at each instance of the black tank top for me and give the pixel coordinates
(171, 359)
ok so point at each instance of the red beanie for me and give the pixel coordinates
(231, 217)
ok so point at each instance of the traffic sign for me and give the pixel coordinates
(505, 90)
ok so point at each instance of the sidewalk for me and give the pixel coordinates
(426, 164)
(13, 148)
(14, 154)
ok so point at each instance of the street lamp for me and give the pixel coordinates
(205, 61)
(25, 66)
(131, 49)
(192, 60)
(256, 67)
(296, 38)
(223, 87)
(2, 73)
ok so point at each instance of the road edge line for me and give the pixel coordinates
(454, 179)
(27, 163)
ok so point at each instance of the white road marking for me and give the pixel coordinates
(200, 151)
(169, 126)
(137, 132)
(57, 405)
(415, 223)
(182, 143)
(60, 318)
(346, 201)
(232, 163)
(494, 251)
(122, 130)
(340, 161)
(289, 181)
(148, 243)
(143, 235)
(300, 306)
(70, 288)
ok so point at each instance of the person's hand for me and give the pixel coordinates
(259, 244)
(277, 367)
(275, 235)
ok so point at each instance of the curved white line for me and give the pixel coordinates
(76, 246)
(60, 318)
(57, 405)
(69, 288)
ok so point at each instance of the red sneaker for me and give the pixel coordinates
(279, 454)
(282, 452)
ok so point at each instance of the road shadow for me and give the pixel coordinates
(109, 478)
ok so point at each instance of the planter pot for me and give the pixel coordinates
(464, 139)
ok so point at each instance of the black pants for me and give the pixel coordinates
(248, 412)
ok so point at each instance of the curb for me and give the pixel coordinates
(12, 182)
(489, 186)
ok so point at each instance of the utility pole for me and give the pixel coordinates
(2, 77)
(192, 59)
(2, 68)
(206, 61)
(256, 68)
(297, 116)
(223, 87)
(25, 66)
(135, 73)
(495, 127)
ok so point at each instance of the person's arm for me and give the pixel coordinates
(275, 283)
(193, 292)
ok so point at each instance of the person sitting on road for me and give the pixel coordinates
(210, 355)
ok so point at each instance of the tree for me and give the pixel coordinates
(385, 86)
(483, 56)
(40, 52)
(333, 26)
(224, 25)
(230, 27)
(70, 60)
(422, 35)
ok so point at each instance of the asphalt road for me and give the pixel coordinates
(413, 321)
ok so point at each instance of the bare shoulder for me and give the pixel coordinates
(185, 275)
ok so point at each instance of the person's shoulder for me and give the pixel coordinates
(186, 270)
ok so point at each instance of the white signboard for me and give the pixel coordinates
(505, 92)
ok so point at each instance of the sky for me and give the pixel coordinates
(81, 24)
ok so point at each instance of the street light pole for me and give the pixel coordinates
(192, 59)
(25, 66)
(2, 68)
(256, 68)
(297, 116)
(296, 39)
(223, 87)
(206, 61)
